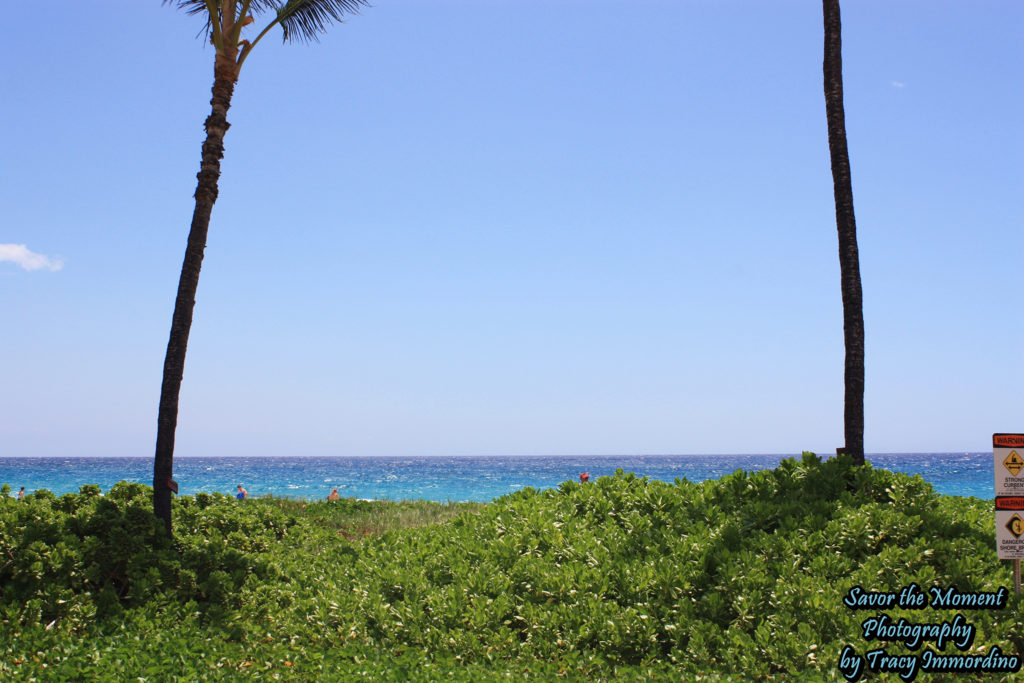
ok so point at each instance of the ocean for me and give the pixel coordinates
(472, 478)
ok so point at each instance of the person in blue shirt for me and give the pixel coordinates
(242, 493)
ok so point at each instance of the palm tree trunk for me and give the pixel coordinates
(849, 261)
(225, 76)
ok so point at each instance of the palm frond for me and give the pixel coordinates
(193, 7)
(190, 6)
(305, 20)
(258, 7)
(196, 7)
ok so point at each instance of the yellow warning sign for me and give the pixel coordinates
(1016, 526)
(1014, 463)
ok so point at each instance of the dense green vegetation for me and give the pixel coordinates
(623, 578)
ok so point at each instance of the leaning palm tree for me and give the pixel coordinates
(849, 261)
(301, 20)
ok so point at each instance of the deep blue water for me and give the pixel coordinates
(448, 478)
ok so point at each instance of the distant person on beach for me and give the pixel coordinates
(21, 493)
(242, 493)
(334, 495)
(584, 478)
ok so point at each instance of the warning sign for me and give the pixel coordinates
(1016, 526)
(1009, 535)
(1008, 464)
(1007, 440)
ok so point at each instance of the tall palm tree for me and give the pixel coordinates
(849, 261)
(301, 20)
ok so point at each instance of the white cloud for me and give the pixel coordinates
(29, 260)
(899, 84)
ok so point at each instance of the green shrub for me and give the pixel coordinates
(84, 555)
(623, 578)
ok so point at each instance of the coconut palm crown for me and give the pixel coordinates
(300, 20)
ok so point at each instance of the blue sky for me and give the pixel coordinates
(498, 227)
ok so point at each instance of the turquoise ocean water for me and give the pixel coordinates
(442, 479)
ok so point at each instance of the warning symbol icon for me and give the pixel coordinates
(1016, 526)
(1014, 463)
